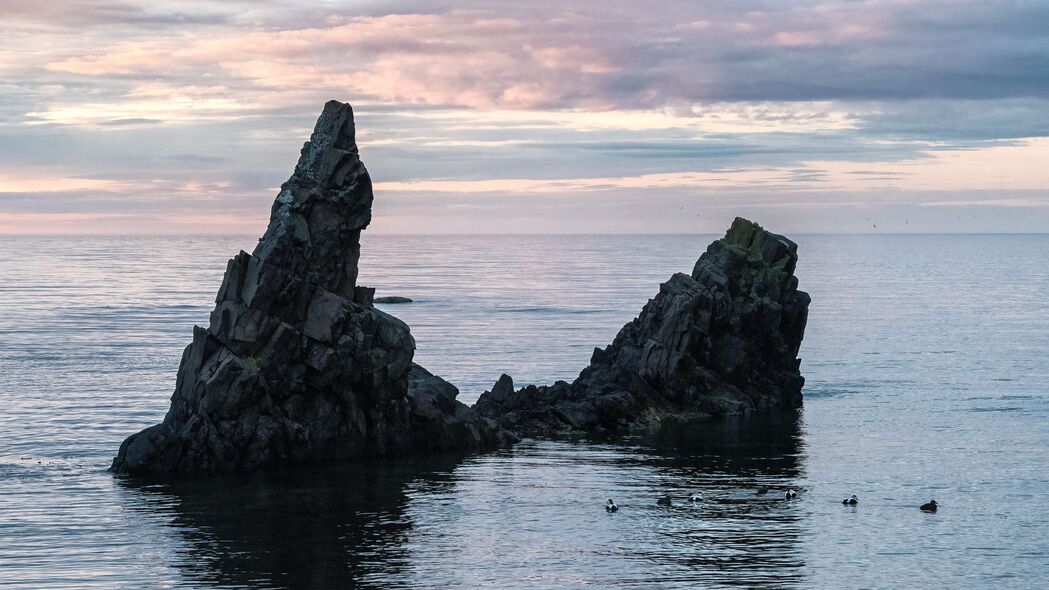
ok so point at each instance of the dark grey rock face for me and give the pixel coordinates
(723, 340)
(392, 299)
(296, 365)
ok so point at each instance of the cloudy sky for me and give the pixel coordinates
(833, 116)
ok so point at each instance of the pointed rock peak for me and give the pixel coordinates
(316, 220)
(296, 366)
(331, 147)
(503, 387)
(741, 232)
(747, 248)
(756, 241)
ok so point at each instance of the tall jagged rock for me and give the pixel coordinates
(723, 340)
(296, 365)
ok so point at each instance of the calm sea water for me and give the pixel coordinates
(927, 360)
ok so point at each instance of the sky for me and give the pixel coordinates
(566, 116)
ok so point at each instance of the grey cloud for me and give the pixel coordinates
(849, 51)
(96, 13)
(133, 121)
(959, 120)
(963, 75)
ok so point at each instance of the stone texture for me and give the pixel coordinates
(723, 340)
(296, 365)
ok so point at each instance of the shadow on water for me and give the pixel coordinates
(445, 522)
(735, 536)
(323, 527)
(764, 445)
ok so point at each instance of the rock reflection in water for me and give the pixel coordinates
(322, 527)
(739, 537)
(530, 517)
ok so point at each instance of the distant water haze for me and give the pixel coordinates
(925, 358)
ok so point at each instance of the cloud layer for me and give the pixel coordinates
(133, 116)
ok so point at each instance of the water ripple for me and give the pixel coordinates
(926, 366)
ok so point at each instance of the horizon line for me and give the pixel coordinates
(489, 234)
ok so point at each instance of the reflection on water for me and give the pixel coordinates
(535, 511)
(740, 537)
(316, 528)
(926, 368)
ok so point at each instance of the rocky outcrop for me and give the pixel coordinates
(392, 299)
(723, 340)
(296, 365)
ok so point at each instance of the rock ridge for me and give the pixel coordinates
(721, 340)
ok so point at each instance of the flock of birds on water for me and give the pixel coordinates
(790, 494)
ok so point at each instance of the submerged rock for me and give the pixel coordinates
(296, 365)
(723, 340)
(392, 299)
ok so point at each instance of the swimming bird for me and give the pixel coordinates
(610, 506)
(664, 501)
(790, 495)
(929, 506)
(694, 498)
(762, 491)
(851, 500)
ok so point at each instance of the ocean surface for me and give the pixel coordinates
(927, 360)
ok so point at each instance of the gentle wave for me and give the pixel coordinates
(926, 365)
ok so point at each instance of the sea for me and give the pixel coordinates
(927, 367)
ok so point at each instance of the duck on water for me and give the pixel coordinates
(851, 500)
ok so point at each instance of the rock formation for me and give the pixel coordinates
(296, 365)
(392, 299)
(723, 340)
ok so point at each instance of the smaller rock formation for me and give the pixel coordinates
(296, 365)
(723, 340)
(392, 299)
(440, 422)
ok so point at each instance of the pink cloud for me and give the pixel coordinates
(453, 59)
